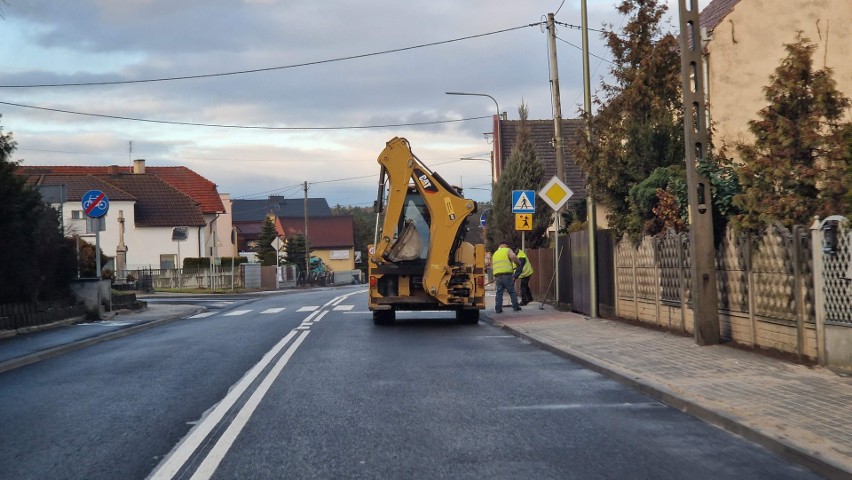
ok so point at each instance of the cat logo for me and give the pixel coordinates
(427, 184)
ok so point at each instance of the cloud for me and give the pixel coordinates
(103, 40)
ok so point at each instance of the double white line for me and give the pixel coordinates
(179, 456)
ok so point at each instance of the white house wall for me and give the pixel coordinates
(145, 245)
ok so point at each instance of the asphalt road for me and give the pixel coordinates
(304, 386)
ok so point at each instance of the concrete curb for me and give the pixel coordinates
(78, 345)
(40, 328)
(786, 450)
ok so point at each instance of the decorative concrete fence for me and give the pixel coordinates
(770, 293)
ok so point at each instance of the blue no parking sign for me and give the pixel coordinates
(95, 203)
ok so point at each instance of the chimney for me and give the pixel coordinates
(113, 170)
(139, 165)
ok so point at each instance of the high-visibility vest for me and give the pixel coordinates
(500, 262)
(527, 270)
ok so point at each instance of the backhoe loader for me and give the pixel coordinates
(419, 259)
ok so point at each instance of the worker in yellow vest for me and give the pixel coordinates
(505, 263)
(526, 273)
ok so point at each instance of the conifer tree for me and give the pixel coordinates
(36, 262)
(798, 165)
(296, 252)
(639, 123)
(265, 251)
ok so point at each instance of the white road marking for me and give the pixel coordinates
(220, 304)
(105, 324)
(179, 456)
(273, 310)
(181, 453)
(358, 311)
(344, 307)
(309, 308)
(236, 313)
(217, 454)
(203, 315)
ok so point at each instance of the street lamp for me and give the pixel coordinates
(496, 132)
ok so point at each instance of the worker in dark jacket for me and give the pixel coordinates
(526, 271)
(504, 263)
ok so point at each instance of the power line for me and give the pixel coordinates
(244, 127)
(581, 49)
(268, 69)
(577, 27)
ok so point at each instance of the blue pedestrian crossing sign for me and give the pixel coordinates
(523, 201)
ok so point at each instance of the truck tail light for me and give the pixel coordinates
(373, 281)
(480, 281)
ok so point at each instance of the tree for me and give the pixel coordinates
(36, 262)
(798, 165)
(639, 124)
(296, 252)
(265, 251)
(523, 172)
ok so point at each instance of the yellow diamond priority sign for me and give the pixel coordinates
(555, 193)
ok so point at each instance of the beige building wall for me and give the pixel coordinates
(337, 263)
(748, 45)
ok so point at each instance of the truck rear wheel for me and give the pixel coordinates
(467, 317)
(384, 317)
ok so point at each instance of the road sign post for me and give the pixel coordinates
(95, 205)
(179, 234)
(555, 193)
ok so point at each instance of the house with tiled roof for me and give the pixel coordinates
(542, 138)
(144, 209)
(215, 206)
(331, 238)
(248, 216)
(744, 44)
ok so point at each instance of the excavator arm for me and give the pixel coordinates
(450, 261)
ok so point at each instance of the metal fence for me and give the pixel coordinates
(22, 315)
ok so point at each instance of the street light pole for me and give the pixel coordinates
(496, 129)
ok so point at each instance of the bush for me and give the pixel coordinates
(204, 262)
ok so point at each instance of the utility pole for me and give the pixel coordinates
(704, 300)
(307, 250)
(590, 202)
(557, 134)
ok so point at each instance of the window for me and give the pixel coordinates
(95, 224)
(168, 261)
(76, 214)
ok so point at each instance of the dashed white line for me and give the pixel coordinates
(309, 308)
(344, 307)
(273, 310)
(236, 313)
(203, 315)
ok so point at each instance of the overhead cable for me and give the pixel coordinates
(266, 69)
(245, 127)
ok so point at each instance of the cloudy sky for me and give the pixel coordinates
(331, 72)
